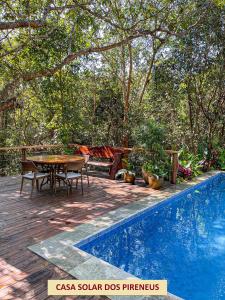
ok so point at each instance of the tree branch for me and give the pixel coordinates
(147, 78)
(26, 77)
(21, 24)
(98, 15)
(11, 103)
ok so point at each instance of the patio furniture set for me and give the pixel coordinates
(52, 169)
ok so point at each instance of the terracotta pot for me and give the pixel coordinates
(155, 182)
(129, 178)
(145, 175)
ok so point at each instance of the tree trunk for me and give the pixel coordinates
(191, 118)
(127, 93)
(147, 78)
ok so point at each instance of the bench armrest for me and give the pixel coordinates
(116, 165)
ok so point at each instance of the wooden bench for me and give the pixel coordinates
(103, 156)
(114, 158)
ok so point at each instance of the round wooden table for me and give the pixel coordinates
(55, 159)
(54, 162)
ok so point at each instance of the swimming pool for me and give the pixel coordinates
(181, 239)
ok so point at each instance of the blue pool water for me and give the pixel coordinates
(181, 240)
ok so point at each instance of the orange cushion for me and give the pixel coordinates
(99, 151)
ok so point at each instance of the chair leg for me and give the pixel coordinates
(54, 185)
(42, 183)
(68, 188)
(76, 183)
(81, 181)
(21, 187)
(87, 175)
(37, 185)
(32, 188)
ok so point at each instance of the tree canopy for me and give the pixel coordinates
(95, 71)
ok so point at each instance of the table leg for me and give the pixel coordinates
(52, 177)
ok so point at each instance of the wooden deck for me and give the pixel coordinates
(25, 221)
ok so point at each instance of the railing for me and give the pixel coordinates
(174, 164)
(173, 158)
(10, 157)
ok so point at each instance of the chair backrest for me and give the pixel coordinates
(28, 166)
(83, 150)
(86, 157)
(75, 166)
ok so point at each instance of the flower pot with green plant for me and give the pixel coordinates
(156, 173)
(128, 174)
(152, 139)
(146, 171)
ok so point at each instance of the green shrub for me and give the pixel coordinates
(190, 160)
(221, 159)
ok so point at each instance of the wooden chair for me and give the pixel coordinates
(71, 171)
(31, 172)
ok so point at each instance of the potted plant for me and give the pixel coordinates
(146, 171)
(128, 173)
(151, 137)
(155, 173)
(156, 179)
(129, 177)
(155, 168)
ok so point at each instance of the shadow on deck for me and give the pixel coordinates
(25, 221)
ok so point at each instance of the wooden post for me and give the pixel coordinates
(174, 167)
(23, 150)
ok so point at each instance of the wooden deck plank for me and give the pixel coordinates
(25, 221)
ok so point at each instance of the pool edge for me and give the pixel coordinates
(60, 249)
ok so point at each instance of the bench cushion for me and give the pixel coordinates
(100, 163)
(69, 175)
(38, 175)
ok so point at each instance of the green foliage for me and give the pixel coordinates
(129, 164)
(89, 100)
(68, 151)
(159, 168)
(151, 136)
(190, 160)
(221, 159)
(129, 168)
(137, 158)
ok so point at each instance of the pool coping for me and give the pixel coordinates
(60, 251)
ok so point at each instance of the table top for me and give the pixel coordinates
(55, 159)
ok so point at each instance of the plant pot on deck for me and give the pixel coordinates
(145, 175)
(129, 177)
(155, 182)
